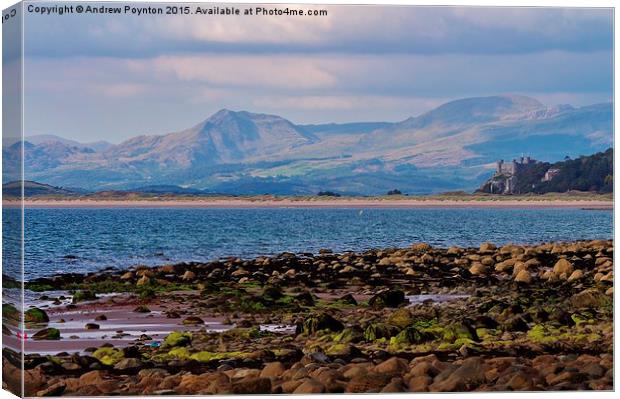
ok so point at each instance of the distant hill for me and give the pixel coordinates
(33, 189)
(593, 173)
(450, 148)
(167, 189)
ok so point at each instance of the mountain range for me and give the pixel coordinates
(452, 147)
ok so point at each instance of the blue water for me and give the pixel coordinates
(100, 238)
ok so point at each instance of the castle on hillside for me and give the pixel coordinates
(504, 181)
(513, 167)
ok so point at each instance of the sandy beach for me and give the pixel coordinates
(317, 203)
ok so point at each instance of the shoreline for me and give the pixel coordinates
(532, 317)
(588, 204)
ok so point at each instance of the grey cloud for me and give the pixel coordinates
(347, 29)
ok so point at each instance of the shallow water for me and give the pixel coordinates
(81, 240)
(434, 299)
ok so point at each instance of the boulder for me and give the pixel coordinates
(188, 276)
(193, 321)
(478, 269)
(318, 322)
(35, 315)
(523, 277)
(487, 247)
(129, 365)
(376, 331)
(468, 376)
(589, 298)
(84, 295)
(387, 299)
(563, 266)
(252, 385)
(401, 318)
(393, 365)
(273, 370)
(309, 386)
(576, 275)
(47, 334)
(175, 339)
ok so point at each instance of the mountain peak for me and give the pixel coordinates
(476, 110)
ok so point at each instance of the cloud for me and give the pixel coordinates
(131, 75)
(238, 70)
(346, 29)
(119, 89)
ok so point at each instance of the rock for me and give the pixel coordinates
(142, 309)
(520, 382)
(47, 334)
(410, 335)
(35, 315)
(420, 247)
(466, 377)
(478, 269)
(368, 383)
(288, 387)
(188, 276)
(589, 298)
(127, 276)
(376, 331)
(273, 293)
(53, 390)
(272, 370)
(348, 299)
(128, 365)
(516, 323)
(419, 383)
(389, 299)
(252, 386)
(576, 275)
(175, 339)
(401, 318)
(563, 266)
(92, 378)
(394, 386)
(84, 295)
(523, 277)
(487, 247)
(309, 386)
(343, 350)
(109, 356)
(393, 365)
(193, 320)
(305, 299)
(320, 321)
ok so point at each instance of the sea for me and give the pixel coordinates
(88, 239)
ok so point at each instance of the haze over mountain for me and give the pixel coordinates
(452, 147)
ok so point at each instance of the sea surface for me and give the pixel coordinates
(83, 240)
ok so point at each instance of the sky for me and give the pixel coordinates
(102, 77)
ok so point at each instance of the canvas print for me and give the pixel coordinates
(204, 198)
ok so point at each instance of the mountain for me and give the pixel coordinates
(587, 173)
(33, 189)
(452, 147)
(51, 139)
(357, 128)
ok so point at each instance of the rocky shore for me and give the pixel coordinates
(411, 319)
